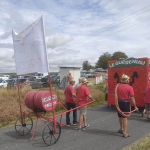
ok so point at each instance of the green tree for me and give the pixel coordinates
(86, 66)
(103, 60)
(118, 55)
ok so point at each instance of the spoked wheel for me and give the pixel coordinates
(48, 135)
(23, 127)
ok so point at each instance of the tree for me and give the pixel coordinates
(86, 66)
(103, 60)
(118, 55)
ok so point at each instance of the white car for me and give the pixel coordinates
(3, 84)
(4, 77)
(39, 75)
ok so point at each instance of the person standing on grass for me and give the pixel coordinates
(79, 83)
(82, 97)
(70, 102)
(147, 101)
(124, 93)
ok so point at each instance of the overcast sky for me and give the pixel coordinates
(78, 30)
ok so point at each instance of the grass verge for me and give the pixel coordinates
(10, 109)
(141, 144)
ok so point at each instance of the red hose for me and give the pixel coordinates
(124, 114)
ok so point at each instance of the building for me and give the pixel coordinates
(75, 72)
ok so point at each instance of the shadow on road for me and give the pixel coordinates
(103, 109)
(15, 135)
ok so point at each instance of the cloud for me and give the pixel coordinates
(76, 31)
(5, 35)
(58, 40)
(6, 45)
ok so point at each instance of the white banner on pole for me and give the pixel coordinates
(30, 49)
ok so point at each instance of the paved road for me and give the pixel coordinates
(101, 135)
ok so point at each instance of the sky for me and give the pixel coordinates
(77, 30)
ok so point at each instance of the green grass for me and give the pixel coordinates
(5, 123)
(141, 144)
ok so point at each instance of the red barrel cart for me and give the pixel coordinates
(41, 102)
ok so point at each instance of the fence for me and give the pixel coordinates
(99, 79)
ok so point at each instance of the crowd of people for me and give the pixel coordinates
(123, 94)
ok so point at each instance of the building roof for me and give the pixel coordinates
(69, 67)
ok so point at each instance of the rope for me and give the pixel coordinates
(124, 114)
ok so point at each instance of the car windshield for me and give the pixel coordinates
(37, 74)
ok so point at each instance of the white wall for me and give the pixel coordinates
(75, 72)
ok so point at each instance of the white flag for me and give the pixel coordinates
(30, 49)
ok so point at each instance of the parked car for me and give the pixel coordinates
(57, 79)
(10, 84)
(96, 74)
(30, 82)
(100, 70)
(35, 83)
(21, 82)
(39, 75)
(28, 76)
(4, 83)
(4, 77)
(84, 75)
(88, 74)
(45, 79)
(13, 76)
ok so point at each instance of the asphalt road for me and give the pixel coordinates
(101, 135)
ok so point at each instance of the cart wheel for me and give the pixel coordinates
(48, 136)
(25, 127)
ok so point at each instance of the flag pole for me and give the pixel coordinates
(19, 99)
(52, 103)
(54, 120)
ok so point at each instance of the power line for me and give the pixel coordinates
(110, 26)
(118, 31)
(106, 28)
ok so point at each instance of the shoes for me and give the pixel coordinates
(120, 131)
(126, 135)
(76, 123)
(79, 129)
(68, 124)
(86, 126)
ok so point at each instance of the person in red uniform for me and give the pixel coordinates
(82, 97)
(69, 76)
(124, 93)
(147, 101)
(70, 102)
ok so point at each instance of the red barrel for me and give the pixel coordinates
(40, 100)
